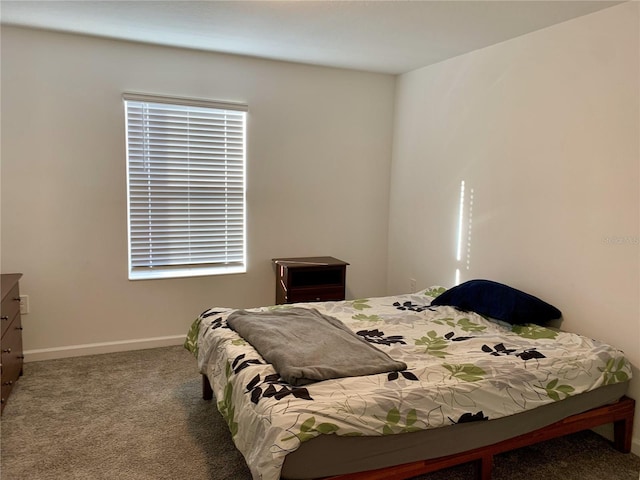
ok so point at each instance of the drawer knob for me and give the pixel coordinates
(8, 383)
(4, 317)
(16, 299)
(6, 350)
(19, 328)
(20, 357)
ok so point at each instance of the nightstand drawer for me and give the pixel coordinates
(315, 295)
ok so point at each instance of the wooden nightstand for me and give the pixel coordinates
(12, 357)
(310, 279)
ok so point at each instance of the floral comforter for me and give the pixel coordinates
(461, 367)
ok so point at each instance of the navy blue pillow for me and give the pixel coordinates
(498, 301)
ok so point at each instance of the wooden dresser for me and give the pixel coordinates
(11, 344)
(309, 279)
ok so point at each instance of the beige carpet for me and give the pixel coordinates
(139, 415)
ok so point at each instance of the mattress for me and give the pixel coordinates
(462, 370)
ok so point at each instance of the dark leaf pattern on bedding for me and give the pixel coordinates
(529, 354)
(395, 375)
(255, 394)
(470, 417)
(500, 350)
(217, 323)
(497, 350)
(413, 307)
(237, 365)
(268, 388)
(450, 336)
(376, 336)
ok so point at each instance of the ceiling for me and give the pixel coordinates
(378, 36)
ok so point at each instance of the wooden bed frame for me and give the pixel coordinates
(620, 414)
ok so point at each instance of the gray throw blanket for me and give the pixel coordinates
(305, 346)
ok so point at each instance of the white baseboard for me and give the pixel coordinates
(97, 348)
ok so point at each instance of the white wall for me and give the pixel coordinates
(319, 149)
(545, 130)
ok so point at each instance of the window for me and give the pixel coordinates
(186, 187)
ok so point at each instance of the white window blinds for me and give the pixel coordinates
(186, 187)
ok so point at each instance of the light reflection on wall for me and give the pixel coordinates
(463, 252)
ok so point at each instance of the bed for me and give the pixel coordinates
(469, 386)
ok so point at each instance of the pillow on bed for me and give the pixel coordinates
(498, 301)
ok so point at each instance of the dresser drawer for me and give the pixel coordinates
(6, 390)
(12, 357)
(11, 343)
(10, 307)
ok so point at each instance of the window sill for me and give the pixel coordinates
(151, 274)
